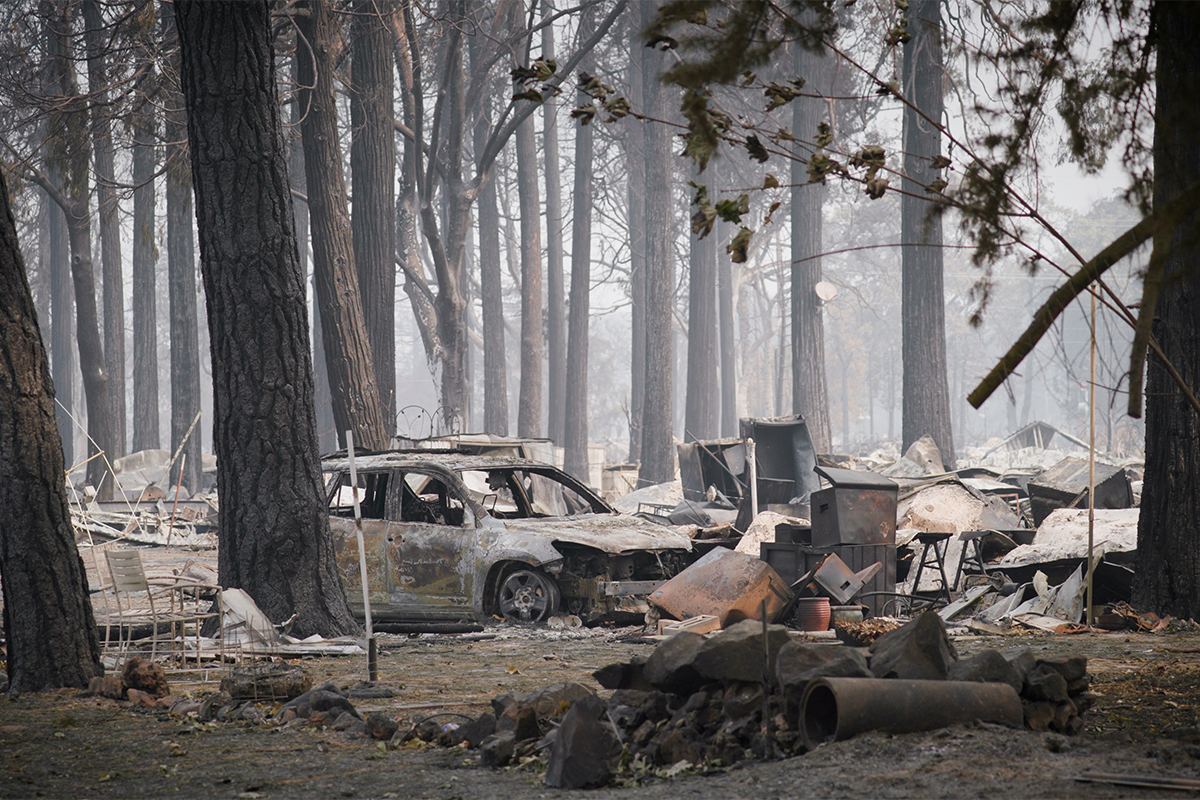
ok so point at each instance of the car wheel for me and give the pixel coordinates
(528, 596)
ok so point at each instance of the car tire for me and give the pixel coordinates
(527, 596)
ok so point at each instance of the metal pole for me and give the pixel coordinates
(753, 479)
(372, 667)
(1091, 466)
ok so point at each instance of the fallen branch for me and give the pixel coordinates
(1169, 216)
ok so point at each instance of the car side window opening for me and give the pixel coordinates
(429, 500)
(372, 495)
(519, 493)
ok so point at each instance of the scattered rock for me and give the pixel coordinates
(325, 698)
(214, 704)
(497, 749)
(1072, 668)
(800, 663)
(628, 675)
(278, 681)
(141, 699)
(371, 691)
(741, 699)
(185, 706)
(671, 666)
(990, 666)
(583, 748)
(247, 712)
(920, 650)
(1044, 683)
(1021, 659)
(737, 653)
(474, 732)
(110, 686)
(146, 676)
(381, 727)
(1038, 714)
(349, 722)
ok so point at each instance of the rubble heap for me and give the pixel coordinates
(714, 701)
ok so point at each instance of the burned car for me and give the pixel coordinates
(454, 537)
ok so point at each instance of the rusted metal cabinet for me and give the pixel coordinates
(858, 508)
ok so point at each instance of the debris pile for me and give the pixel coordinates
(755, 691)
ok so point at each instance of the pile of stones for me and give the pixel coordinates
(735, 695)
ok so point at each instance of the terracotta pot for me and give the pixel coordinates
(812, 613)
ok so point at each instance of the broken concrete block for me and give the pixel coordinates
(145, 675)
(381, 727)
(800, 663)
(670, 666)
(701, 624)
(497, 749)
(989, 666)
(583, 748)
(737, 653)
(1044, 683)
(920, 650)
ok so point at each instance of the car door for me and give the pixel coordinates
(431, 548)
(376, 505)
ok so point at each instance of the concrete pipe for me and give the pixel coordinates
(834, 709)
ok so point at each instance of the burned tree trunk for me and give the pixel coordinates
(352, 383)
(62, 329)
(658, 446)
(275, 541)
(495, 364)
(48, 623)
(810, 392)
(556, 326)
(923, 305)
(529, 413)
(110, 252)
(1167, 577)
(74, 200)
(373, 172)
(575, 420)
(635, 157)
(703, 397)
(181, 283)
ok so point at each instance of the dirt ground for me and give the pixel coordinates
(67, 745)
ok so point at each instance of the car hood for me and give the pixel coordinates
(612, 533)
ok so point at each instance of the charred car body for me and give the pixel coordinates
(453, 537)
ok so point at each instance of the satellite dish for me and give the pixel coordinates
(826, 291)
